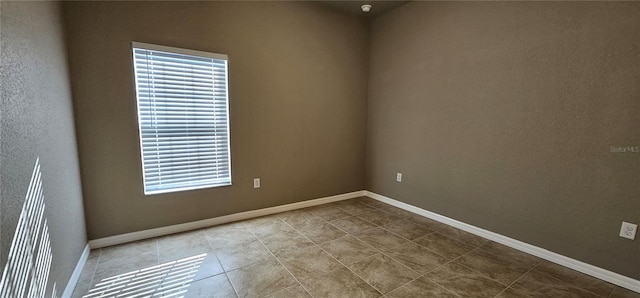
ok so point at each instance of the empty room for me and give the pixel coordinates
(319, 149)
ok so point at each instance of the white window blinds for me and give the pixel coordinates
(184, 118)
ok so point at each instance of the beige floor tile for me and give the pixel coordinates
(210, 266)
(178, 252)
(419, 288)
(303, 220)
(407, 229)
(256, 223)
(444, 245)
(352, 224)
(292, 214)
(462, 236)
(511, 293)
(89, 269)
(295, 291)
(575, 278)
(215, 286)
(512, 254)
(383, 273)
(228, 235)
(496, 267)
(329, 212)
(339, 283)
(260, 221)
(355, 208)
(286, 241)
(332, 204)
(396, 211)
(147, 246)
(124, 285)
(348, 249)
(308, 262)
(379, 217)
(182, 245)
(193, 238)
(321, 232)
(233, 257)
(370, 202)
(536, 284)
(427, 222)
(120, 259)
(380, 238)
(619, 292)
(82, 288)
(416, 257)
(146, 280)
(260, 279)
(464, 281)
(274, 228)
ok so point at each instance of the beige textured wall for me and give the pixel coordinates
(37, 121)
(297, 74)
(502, 114)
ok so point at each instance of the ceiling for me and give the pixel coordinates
(353, 6)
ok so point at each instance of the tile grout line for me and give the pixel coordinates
(450, 261)
(224, 271)
(346, 234)
(383, 252)
(330, 255)
(379, 250)
(280, 262)
(443, 264)
(94, 271)
(486, 275)
(230, 283)
(480, 247)
(411, 241)
(577, 286)
(611, 293)
(476, 271)
(512, 283)
(220, 263)
(157, 263)
(435, 282)
(401, 219)
(157, 251)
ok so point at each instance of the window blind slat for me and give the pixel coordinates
(184, 163)
(183, 118)
(179, 132)
(191, 179)
(179, 173)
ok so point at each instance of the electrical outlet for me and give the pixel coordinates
(628, 230)
(256, 182)
(399, 177)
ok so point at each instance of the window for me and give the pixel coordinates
(183, 114)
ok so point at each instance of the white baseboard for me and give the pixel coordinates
(73, 280)
(597, 272)
(134, 236)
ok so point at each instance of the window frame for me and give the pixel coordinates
(181, 51)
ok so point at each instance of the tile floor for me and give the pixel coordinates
(354, 248)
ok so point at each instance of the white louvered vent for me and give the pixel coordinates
(183, 115)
